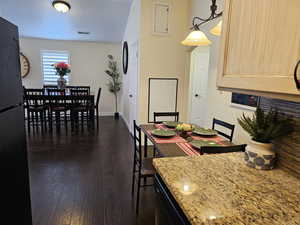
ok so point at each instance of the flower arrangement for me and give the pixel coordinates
(62, 68)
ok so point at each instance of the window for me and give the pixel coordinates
(48, 59)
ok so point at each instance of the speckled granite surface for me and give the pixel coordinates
(221, 189)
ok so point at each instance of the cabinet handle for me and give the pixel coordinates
(295, 76)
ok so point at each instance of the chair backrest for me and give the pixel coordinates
(137, 140)
(76, 92)
(33, 102)
(56, 91)
(33, 91)
(87, 88)
(165, 114)
(222, 149)
(226, 125)
(98, 97)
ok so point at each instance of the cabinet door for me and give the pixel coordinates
(260, 45)
(161, 19)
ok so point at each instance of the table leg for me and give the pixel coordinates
(145, 146)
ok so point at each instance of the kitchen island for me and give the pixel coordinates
(221, 189)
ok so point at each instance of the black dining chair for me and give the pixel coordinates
(222, 149)
(96, 105)
(228, 126)
(142, 167)
(57, 106)
(81, 107)
(165, 114)
(36, 108)
(87, 88)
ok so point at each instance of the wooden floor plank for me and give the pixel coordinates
(84, 178)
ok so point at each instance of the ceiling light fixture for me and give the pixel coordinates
(61, 6)
(84, 32)
(197, 37)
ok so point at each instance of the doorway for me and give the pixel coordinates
(198, 85)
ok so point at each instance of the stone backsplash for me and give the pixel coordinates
(288, 147)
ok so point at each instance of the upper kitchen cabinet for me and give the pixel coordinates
(260, 47)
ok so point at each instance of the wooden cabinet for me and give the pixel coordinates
(260, 47)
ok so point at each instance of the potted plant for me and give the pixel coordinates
(62, 69)
(264, 127)
(114, 84)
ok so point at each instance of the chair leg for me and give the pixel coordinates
(28, 120)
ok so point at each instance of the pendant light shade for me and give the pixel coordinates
(217, 29)
(196, 38)
(61, 6)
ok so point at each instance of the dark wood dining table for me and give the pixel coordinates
(165, 149)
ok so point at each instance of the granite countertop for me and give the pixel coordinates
(221, 189)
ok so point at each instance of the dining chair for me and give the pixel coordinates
(222, 149)
(96, 105)
(81, 107)
(142, 167)
(35, 108)
(226, 125)
(165, 114)
(57, 106)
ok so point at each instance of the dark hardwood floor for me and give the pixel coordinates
(84, 178)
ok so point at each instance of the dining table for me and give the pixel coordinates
(175, 146)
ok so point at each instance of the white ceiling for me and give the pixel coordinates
(105, 19)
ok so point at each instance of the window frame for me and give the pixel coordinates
(42, 63)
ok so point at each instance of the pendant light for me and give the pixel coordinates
(61, 6)
(198, 37)
(217, 29)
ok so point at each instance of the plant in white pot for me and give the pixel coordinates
(264, 127)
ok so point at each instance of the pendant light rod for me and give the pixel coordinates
(213, 15)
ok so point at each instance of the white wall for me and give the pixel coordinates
(131, 35)
(218, 103)
(164, 56)
(88, 61)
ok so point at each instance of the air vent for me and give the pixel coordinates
(84, 32)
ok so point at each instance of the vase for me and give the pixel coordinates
(61, 82)
(260, 155)
(183, 134)
(116, 115)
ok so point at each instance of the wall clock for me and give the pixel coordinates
(25, 65)
(125, 57)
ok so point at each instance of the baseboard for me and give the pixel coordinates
(107, 113)
(125, 121)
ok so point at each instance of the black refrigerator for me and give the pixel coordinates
(14, 177)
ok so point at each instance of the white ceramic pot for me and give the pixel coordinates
(260, 155)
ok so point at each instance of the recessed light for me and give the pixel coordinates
(61, 6)
(83, 32)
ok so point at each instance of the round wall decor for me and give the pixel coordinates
(125, 57)
(25, 65)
